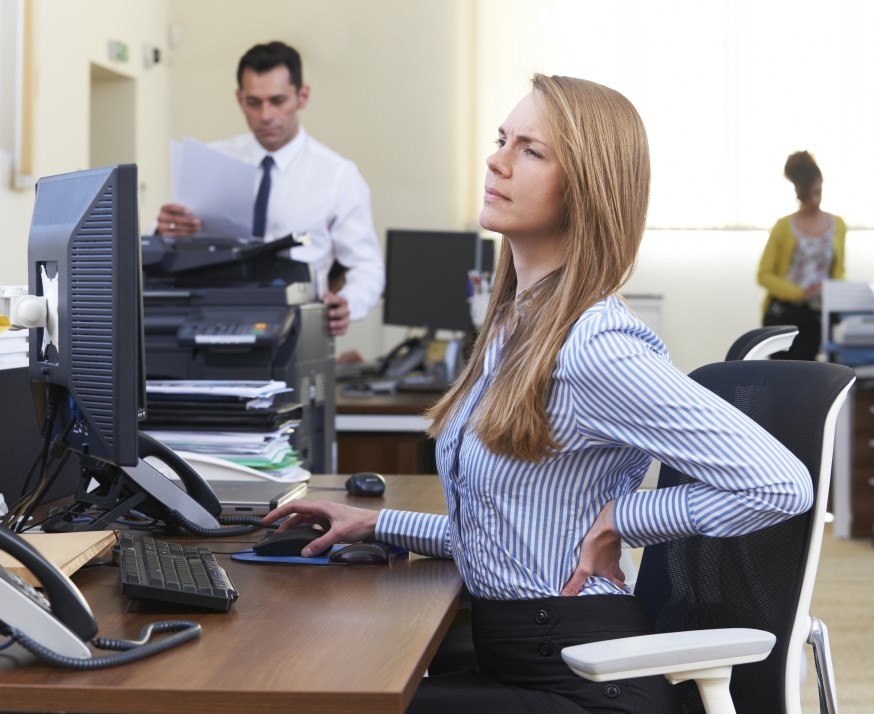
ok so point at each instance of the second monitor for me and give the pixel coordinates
(426, 277)
(427, 287)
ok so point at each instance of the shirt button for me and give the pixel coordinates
(542, 617)
(612, 691)
(545, 649)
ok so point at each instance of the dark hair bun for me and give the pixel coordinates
(801, 168)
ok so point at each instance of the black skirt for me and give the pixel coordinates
(518, 648)
(805, 318)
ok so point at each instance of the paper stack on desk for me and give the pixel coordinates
(13, 343)
(247, 423)
(13, 349)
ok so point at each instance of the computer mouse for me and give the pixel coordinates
(365, 483)
(288, 543)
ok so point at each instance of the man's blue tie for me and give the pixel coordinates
(259, 224)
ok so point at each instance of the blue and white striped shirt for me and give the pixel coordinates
(615, 402)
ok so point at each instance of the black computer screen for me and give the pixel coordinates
(426, 277)
(84, 258)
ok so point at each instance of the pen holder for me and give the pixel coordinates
(479, 304)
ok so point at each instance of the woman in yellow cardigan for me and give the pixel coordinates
(803, 249)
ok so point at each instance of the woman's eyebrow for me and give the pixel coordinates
(524, 138)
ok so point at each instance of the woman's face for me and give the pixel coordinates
(523, 187)
(814, 196)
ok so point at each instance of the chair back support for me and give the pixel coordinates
(755, 580)
(761, 342)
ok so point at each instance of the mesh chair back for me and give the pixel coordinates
(742, 346)
(752, 580)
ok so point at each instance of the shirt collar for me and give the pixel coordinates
(284, 156)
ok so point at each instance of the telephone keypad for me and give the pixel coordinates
(26, 588)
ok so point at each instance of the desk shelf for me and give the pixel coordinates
(385, 433)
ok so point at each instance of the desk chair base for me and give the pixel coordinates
(822, 657)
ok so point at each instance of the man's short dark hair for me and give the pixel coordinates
(263, 58)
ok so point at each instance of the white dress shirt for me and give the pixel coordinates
(315, 191)
(615, 402)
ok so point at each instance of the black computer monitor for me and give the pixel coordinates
(427, 274)
(84, 258)
(87, 360)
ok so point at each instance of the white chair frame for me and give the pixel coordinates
(707, 656)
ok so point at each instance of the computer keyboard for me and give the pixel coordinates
(152, 569)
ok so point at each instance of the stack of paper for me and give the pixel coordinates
(13, 349)
(13, 343)
(247, 423)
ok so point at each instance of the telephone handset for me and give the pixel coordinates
(61, 620)
(197, 503)
(56, 626)
(404, 358)
(197, 508)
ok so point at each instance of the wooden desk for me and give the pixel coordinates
(384, 433)
(326, 639)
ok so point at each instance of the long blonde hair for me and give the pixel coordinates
(601, 145)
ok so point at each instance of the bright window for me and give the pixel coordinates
(727, 90)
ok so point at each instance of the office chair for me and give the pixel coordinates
(718, 602)
(762, 342)
(755, 344)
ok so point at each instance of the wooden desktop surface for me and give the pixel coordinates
(397, 403)
(302, 638)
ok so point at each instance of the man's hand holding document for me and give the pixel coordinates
(217, 189)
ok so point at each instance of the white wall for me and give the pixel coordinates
(67, 38)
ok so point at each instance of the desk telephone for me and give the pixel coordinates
(55, 627)
(403, 359)
(143, 488)
(108, 492)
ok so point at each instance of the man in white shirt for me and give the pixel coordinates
(312, 190)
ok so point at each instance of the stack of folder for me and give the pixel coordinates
(247, 423)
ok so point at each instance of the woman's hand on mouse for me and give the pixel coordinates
(342, 523)
(599, 554)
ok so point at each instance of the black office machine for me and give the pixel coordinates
(237, 308)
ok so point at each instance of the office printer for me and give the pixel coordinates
(242, 309)
(855, 331)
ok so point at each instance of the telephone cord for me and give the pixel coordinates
(132, 651)
(248, 524)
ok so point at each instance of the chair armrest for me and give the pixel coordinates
(667, 653)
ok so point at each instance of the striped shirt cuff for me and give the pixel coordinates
(423, 533)
(647, 517)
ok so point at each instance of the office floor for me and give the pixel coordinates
(844, 600)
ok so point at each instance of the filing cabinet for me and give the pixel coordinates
(862, 462)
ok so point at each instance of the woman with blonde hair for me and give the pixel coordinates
(544, 439)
